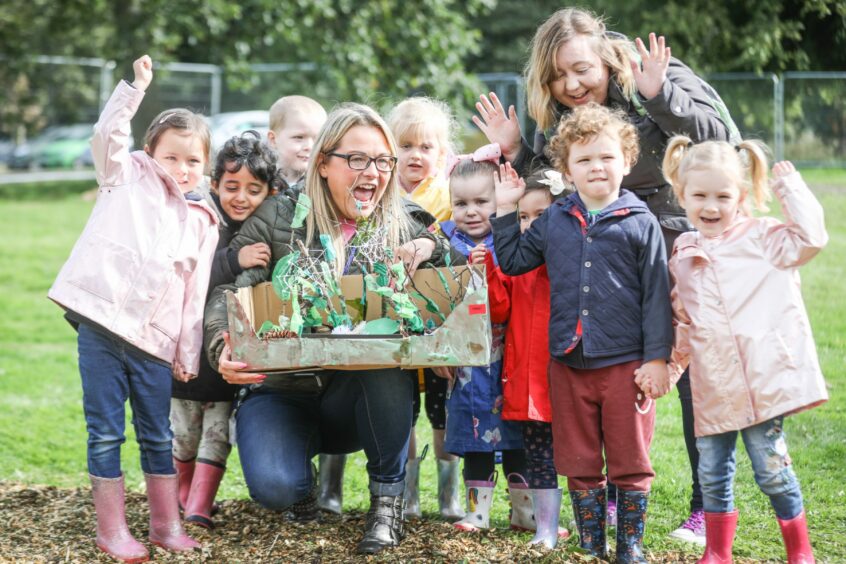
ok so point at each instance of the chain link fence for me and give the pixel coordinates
(800, 115)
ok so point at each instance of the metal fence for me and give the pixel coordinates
(801, 115)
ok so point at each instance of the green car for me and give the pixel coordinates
(64, 146)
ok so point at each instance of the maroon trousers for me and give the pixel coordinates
(596, 408)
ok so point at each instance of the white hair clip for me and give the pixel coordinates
(555, 181)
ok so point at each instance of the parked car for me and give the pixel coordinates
(225, 125)
(57, 146)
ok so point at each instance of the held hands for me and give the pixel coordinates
(498, 126)
(415, 252)
(257, 254)
(143, 68)
(782, 169)
(650, 78)
(653, 378)
(509, 189)
(477, 254)
(231, 370)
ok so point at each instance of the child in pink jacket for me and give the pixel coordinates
(134, 287)
(742, 326)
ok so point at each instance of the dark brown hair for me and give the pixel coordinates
(183, 120)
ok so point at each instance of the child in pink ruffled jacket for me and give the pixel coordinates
(135, 287)
(742, 326)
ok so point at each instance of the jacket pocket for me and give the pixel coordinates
(167, 317)
(104, 268)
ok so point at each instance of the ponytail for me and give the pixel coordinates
(756, 164)
(677, 150)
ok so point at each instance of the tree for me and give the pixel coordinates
(365, 50)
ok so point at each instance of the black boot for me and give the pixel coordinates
(631, 522)
(384, 525)
(589, 511)
(331, 479)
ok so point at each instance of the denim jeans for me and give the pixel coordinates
(112, 373)
(767, 451)
(278, 433)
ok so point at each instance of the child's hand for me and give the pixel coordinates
(477, 254)
(650, 78)
(509, 189)
(257, 254)
(497, 126)
(143, 68)
(653, 378)
(783, 168)
(180, 374)
(444, 372)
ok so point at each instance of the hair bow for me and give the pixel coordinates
(554, 180)
(490, 153)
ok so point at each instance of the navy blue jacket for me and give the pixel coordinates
(609, 284)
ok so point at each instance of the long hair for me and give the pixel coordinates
(745, 164)
(324, 218)
(559, 28)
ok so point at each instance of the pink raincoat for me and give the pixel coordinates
(740, 319)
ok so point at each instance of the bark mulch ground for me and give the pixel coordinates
(48, 524)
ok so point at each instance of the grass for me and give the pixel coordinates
(42, 430)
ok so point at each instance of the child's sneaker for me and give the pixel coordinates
(692, 530)
(611, 515)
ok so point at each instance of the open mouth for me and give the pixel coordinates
(363, 194)
(581, 98)
(710, 220)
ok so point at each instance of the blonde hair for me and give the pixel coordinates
(283, 107)
(558, 29)
(745, 163)
(389, 213)
(584, 124)
(413, 117)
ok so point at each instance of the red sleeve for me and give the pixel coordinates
(499, 291)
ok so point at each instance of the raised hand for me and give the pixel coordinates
(509, 189)
(257, 254)
(499, 126)
(783, 168)
(650, 78)
(143, 68)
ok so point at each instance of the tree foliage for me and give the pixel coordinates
(365, 51)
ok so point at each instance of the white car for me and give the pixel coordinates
(228, 124)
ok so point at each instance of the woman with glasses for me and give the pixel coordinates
(285, 421)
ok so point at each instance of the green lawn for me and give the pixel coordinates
(42, 430)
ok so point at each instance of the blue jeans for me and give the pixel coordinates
(771, 463)
(112, 373)
(278, 433)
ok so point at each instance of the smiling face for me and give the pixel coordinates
(711, 200)
(531, 206)
(240, 193)
(581, 76)
(356, 193)
(473, 203)
(597, 167)
(294, 140)
(418, 159)
(182, 155)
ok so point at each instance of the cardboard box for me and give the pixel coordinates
(462, 339)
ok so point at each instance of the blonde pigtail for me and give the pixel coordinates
(756, 163)
(677, 150)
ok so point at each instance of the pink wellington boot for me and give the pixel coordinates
(165, 527)
(185, 471)
(796, 542)
(113, 536)
(207, 479)
(719, 536)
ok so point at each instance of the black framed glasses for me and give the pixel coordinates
(360, 161)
